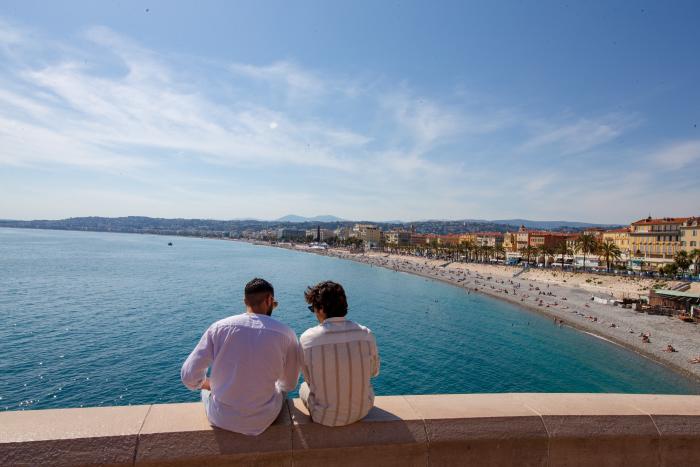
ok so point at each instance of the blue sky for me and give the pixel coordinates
(583, 111)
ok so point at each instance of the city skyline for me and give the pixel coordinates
(538, 111)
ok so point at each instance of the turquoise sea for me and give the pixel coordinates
(90, 319)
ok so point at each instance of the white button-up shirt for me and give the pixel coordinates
(253, 358)
(339, 358)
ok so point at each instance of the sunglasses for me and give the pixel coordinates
(311, 308)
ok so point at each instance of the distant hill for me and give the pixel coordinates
(549, 224)
(295, 218)
(237, 227)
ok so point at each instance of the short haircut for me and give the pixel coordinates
(257, 290)
(330, 296)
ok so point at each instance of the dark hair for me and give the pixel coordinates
(257, 290)
(330, 296)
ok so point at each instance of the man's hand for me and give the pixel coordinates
(205, 384)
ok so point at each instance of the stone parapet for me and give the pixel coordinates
(458, 429)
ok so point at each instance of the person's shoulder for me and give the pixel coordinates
(308, 335)
(278, 326)
(235, 320)
(359, 327)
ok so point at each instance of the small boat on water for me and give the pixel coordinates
(170, 243)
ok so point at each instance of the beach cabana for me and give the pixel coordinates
(675, 300)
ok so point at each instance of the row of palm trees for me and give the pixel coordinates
(682, 262)
(586, 244)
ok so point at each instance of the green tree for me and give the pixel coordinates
(562, 250)
(488, 252)
(695, 257)
(587, 245)
(434, 246)
(500, 252)
(468, 247)
(610, 252)
(547, 252)
(669, 269)
(527, 252)
(682, 260)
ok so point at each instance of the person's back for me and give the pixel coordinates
(340, 357)
(253, 360)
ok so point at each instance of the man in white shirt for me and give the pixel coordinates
(339, 358)
(254, 361)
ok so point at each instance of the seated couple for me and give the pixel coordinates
(255, 360)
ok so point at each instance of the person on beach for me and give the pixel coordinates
(338, 359)
(254, 361)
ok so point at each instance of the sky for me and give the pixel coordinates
(374, 110)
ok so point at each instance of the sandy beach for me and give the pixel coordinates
(566, 297)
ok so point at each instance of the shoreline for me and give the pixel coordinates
(574, 314)
(578, 311)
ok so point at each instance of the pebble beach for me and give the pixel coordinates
(566, 297)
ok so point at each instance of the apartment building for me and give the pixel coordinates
(656, 241)
(370, 234)
(690, 234)
(397, 238)
(620, 237)
(547, 239)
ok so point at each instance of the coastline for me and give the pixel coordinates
(475, 278)
(571, 306)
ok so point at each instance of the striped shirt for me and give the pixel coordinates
(339, 358)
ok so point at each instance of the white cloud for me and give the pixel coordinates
(677, 156)
(578, 136)
(288, 77)
(115, 106)
(99, 117)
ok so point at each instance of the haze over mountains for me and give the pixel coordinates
(530, 224)
(235, 228)
(323, 218)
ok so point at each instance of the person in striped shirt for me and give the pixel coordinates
(338, 359)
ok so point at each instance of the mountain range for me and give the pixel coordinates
(530, 224)
(299, 219)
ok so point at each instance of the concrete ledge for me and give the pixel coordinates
(461, 429)
(102, 435)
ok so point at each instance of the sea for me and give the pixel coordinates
(97, 319)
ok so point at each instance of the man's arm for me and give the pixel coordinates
(292, 362)
(374, 356)
(194, 370)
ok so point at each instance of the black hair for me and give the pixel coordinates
(330, 296)
(257, 290)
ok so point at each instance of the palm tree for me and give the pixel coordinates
(610, 252)
(586, 244)
(523, 254)
(546, 251)
(528, 251)
(478, 252)
(682, 260)
(695, 256)
(434, 246)
(501, 252)
(468, 248)
(563, 250)
(489, 251)
(670, 269)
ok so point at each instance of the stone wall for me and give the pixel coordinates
(463, 429)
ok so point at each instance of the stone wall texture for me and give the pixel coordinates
(459, 429)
